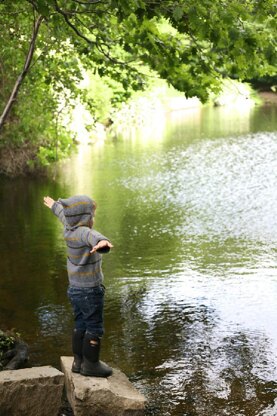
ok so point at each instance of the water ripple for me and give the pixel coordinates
(219, 188)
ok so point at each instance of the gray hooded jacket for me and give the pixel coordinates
(84, 269)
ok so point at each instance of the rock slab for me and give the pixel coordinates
(95, 396)
(35, 391)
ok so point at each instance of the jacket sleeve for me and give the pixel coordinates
(57, 209)
(91, 237)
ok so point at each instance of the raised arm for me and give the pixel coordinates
(97, 241)
(103, 246)
(56, 207)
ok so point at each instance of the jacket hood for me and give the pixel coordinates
(78, 210)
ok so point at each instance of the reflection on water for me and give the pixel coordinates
(51, 318)
(219, 361)
(192, 280)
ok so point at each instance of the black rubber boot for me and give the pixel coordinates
(77, 348)
(91, 365)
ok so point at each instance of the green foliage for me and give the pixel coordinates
(53, 150)
(99, 97)
(7, 342)
(35, 120)
(192, 45)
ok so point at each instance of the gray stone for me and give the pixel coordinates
(35, 391)
(94, 396)
(18, 356)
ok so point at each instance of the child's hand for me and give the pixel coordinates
(101, 245)
(49, 202)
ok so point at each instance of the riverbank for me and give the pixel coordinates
(268, 97)
(145, 109)
(147, 112)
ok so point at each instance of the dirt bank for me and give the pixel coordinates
(268, 97)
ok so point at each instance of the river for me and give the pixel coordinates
(190, 204)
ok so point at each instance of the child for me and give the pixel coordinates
(86, 290)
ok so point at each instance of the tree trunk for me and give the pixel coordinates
(22, 75)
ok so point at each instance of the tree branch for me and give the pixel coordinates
(23, 74)
(98, 45)
(73, 27)
(87, 2)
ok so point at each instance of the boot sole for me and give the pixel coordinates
(91, 374)
(94, 375)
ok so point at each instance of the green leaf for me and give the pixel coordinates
(178, 13)
(43, 8)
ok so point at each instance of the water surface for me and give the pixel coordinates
(190, 206)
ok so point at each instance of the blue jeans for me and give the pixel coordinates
(88, 305)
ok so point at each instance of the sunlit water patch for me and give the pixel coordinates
(221, 188)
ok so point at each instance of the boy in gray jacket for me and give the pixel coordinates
(86, 290)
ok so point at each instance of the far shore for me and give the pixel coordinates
(268, 97)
